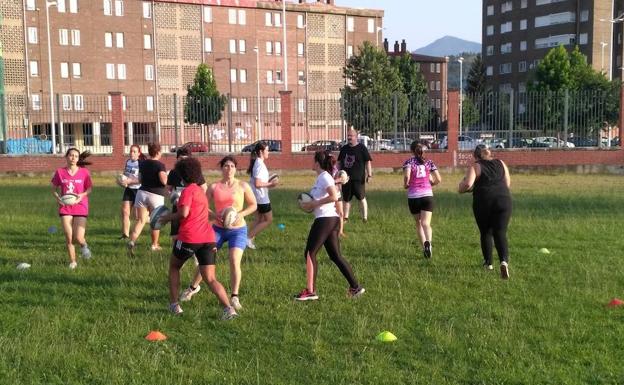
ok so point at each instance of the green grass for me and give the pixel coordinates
(455, 323)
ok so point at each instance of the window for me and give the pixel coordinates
(269, 77)
(432, 67)
(584, 15)
(277, 19)
(241, 46)
(36, 102)
(73, 6)
(522, 66)
(371, 25)
(555, 18)
(231, 16)
(489, 71)
(300, 23)
(233, 75)
(278, 47)
(301, 77)
(489, 30)
(63, 36)
(76, 70)
(121, 71)
(490, 10)
(268, 21)
(149, 103)
(110, 71)
(242, 103)
(506, 27)
(108, 39)
(554, 41)
(523, 3)
(505, 68)
(438, 68)
(437, 103)
(523, 24)
(301, 105)
(124, 103)
(60, 6)
(67, 102)
(78, 102)
(108, 7)
(242, 17)
(119, 39)
(208, 44)
(119, 8)
(30, 5)
(505, 48)
(147, 10)
(349, 51)
(583, 38)
(506, 6)
(34, 68)
(523, 45)
(242, 76)
(207, 14)
(437, 85)
(269, 48)
(234, 104)
(75, 37)
(32, 35)
(489, 50)
(271, 105)
(232, 46)
(350, 24)
(278, 76)
(149, 72)
(300, 49)
(432, 85)
(147, 41)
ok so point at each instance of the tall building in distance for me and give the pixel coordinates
(517, 34)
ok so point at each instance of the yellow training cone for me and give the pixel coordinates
(544, 250)
(386, 337)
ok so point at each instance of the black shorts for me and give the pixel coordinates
(206, 253)
(416, 205)
(129, 194)
(264, 208)
(353, 188)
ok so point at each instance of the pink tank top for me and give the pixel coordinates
(225, 196)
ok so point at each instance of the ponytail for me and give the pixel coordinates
(418, 149)
(82, 156)
(255, 154)
(325, 159)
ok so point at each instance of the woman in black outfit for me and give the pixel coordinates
(489, 181)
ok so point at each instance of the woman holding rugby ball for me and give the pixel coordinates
(419, 174)
(74, 179)
(260, 185)
(131, 184)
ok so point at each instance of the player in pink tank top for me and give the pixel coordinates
(74, 179)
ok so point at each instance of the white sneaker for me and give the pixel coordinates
(188, 293)
(175, 309)
(504, 268)
(236, 303)
(251, 244)
(229, 313)
(85, 252)
(73, 265)
(155, 248)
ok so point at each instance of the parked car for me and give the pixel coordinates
(531, 143)
(331, 145)
(464, 142)
(580, 141)
(384, 145)
(194, 146)
(401, 144)
(274, 145)
(494, 142)
(553, 142)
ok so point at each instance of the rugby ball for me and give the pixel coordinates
(304, 197)
(156, 214)
(342, 177)
(121, 180)
(273, 177)
(174, 196)
(229, 215)
(69, 199)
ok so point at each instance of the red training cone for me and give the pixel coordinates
(155, 335)
(615, 302)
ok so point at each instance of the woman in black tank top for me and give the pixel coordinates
(488, 180)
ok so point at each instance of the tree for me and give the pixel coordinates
(415, 89)
(368, 99)
(204, 103)
(476, 79)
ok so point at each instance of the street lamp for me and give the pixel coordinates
(52, 117)
(461, 93)
(257, 51)
(229, 59)
(379, 29)
(619, 19)
(285, 50)
(602, 47)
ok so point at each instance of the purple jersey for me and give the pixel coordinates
(419, 185)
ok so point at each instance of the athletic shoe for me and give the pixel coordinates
(85, 252)
(504, 270)
(365, 220)
(123, 236)
(305, 295)
(175, 309)
(156, 248)
(188, 293)
(355, 292)
(73, 265)
(427, 249)
(236, 303)
(130, 245)
(229, 313)
(251, 244)
(487, 266)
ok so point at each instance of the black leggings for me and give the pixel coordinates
(324, 231)
(492, 215)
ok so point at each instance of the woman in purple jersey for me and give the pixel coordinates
(419, 174)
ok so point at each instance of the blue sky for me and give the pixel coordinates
(420, 22)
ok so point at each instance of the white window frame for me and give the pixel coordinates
(242, 46)
(523, 24)
(108, 39)
(301, 105)
(75, 37)
(232, 16)
(583, 38)
(207, 14)
(490, 10)
(73, 6)
(506, 27)
(300, 49)
(300, 21)
(269, 77)
(121, 72)
(233, 75)
(242, 17)
(36, 102)
(110, 71)
(242, 104)
(147, 41)
(269, 48)
(76, 70)
(149, 72)
(489, 71)
(66, 102)
(33, 35)
(242, 75)
(234, 104)
(522, 66)
(489, 50)
(30, 5)
(149, 103)
(371, 25)
(523, 45)
(268, 19)
(119, 39)
(270, 105)
(277, 19)
(78, 102)
(350, 24)
(60, 6)
(279, 79)
(108, 7)
(63, 36)
(489, 30)
(207, 44)
(349, 51)
(147, 10)
(33, 68)
(278, 48)
(232, 46)
(119, 8)
(301, 77)
(523, 4)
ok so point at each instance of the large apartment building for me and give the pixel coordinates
(517, 34)
(150, 50)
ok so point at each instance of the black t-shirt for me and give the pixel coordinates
(150, 181)
(353, 160)
(176, 181)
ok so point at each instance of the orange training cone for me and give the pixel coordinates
(615, 302)
(155, 335)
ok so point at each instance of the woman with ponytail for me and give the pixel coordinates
(419, 175)
(325, 228)
(131, 184)
(74, 179)
(260, 185)
(489, 181)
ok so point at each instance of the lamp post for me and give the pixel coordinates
(461, 93)
(229, 59)
(285, 49)
(51, 97)
(602, 47)
(257, 51)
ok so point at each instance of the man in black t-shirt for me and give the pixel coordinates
(356, 161)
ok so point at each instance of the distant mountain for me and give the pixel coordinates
(448, 46)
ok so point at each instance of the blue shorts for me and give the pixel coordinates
(236, 238)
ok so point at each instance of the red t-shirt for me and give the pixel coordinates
(195, 228)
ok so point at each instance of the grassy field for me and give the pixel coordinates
(455, 323)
